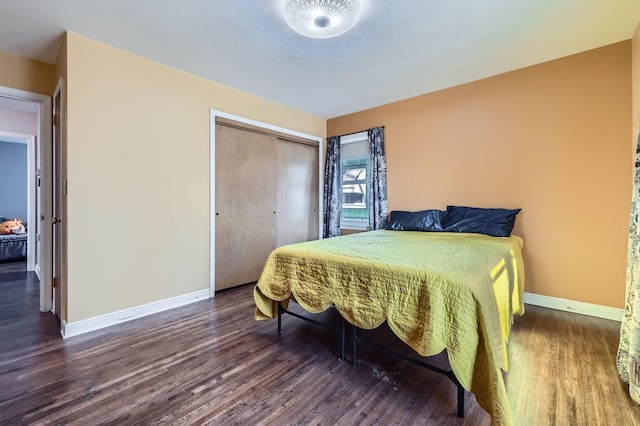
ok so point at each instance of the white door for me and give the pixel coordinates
(56, 208)
(38, 223)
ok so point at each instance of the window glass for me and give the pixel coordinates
(354, 190)
(354, 163)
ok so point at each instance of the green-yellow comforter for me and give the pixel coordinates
(435, 290)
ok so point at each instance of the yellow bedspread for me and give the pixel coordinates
(435, 290)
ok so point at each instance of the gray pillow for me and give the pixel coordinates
(477, 220)
(425, 220)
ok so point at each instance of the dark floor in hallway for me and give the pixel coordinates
(21, 323)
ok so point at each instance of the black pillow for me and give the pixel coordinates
(494, 222)
(425, 220)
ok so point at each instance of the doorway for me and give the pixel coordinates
(18, 171)
(42, 182)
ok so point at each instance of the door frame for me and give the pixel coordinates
(212, 179)
(43, 146)
(30, 141)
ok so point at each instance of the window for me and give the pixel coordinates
(354, 161)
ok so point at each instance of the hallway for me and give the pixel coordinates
(22, 325)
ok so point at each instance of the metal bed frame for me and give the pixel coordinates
(355, 339)
(340, 330)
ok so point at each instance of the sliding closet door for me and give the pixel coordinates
(297, 192)
(246, 169)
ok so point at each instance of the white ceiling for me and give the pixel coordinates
(399, 49)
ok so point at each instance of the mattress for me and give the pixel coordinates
(436, 291)
(13, 246)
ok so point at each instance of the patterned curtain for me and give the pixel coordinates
(332, 189)
(629, 349)
(377, 179)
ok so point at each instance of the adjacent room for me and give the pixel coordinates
(13, 171)
(320, 212)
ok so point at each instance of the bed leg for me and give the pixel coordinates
(280, 318)
(460, 400)
(342, 339)
(353, 348)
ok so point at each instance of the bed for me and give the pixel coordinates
(13, 247)
(435, 290)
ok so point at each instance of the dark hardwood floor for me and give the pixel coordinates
(211, 363)
(21, 323)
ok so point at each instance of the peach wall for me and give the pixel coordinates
(552, 139)
(18, 122)
(138, 173)
(26, 74)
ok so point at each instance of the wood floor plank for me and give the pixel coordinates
(212, 363)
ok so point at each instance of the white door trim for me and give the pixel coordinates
(43, 142)
(212, 180)
(30, 141)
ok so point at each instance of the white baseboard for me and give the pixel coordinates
(582, 308)
(96, 323)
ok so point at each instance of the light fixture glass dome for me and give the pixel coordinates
(322, 18)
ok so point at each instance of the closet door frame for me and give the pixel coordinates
(212, 178)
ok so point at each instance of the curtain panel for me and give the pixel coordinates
(377, 179)
(629, 348)
(332, 189)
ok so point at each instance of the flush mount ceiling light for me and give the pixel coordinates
(322, 18)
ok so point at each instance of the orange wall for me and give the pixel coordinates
(552, 139)
(26, 74)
